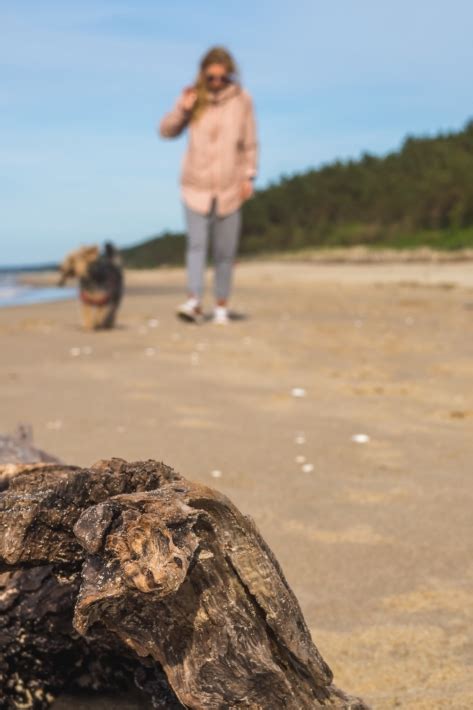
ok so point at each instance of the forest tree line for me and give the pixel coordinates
(419, 195)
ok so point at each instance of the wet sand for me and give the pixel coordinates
(375, 537)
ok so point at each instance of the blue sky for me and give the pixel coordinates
(82, 85)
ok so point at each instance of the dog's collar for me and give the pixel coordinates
(99, 299)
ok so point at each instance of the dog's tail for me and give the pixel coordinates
(112, 253)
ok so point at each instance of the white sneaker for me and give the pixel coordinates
(220, 316)
(190, 311)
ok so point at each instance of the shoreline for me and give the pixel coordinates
(16, 291)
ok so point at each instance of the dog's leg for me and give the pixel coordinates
(109, 317)
(88, 319)
(98, 317)
(83, 315)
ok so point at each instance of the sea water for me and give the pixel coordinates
(15, 293)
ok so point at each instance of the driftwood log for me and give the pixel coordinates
(128, 573)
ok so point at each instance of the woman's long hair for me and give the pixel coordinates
(216, 55)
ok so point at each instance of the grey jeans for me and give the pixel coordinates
(225, 234)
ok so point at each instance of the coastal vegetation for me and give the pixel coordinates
(420, 195)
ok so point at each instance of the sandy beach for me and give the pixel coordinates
(374, 532)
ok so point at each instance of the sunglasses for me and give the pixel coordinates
(211, 78)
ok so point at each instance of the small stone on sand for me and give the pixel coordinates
(55, 424)
(307, 468)
(298, 392)
(360, 438)
(216, 473)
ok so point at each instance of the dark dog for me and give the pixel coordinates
(100, 277)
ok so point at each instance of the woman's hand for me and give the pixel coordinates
(188, 99)
(247, 190)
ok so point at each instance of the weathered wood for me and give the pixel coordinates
(174, 575)
(40, 651)
(42, 502)
(41, 654)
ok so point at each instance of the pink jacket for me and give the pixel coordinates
(222, 150)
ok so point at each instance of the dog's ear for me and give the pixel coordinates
(83, 258)
(92, 252)
(66, 269)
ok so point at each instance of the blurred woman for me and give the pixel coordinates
(217, 176)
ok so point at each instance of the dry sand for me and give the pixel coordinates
(375, 537)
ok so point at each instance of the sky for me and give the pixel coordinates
(83, 84)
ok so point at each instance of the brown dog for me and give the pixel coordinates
(100, 277)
